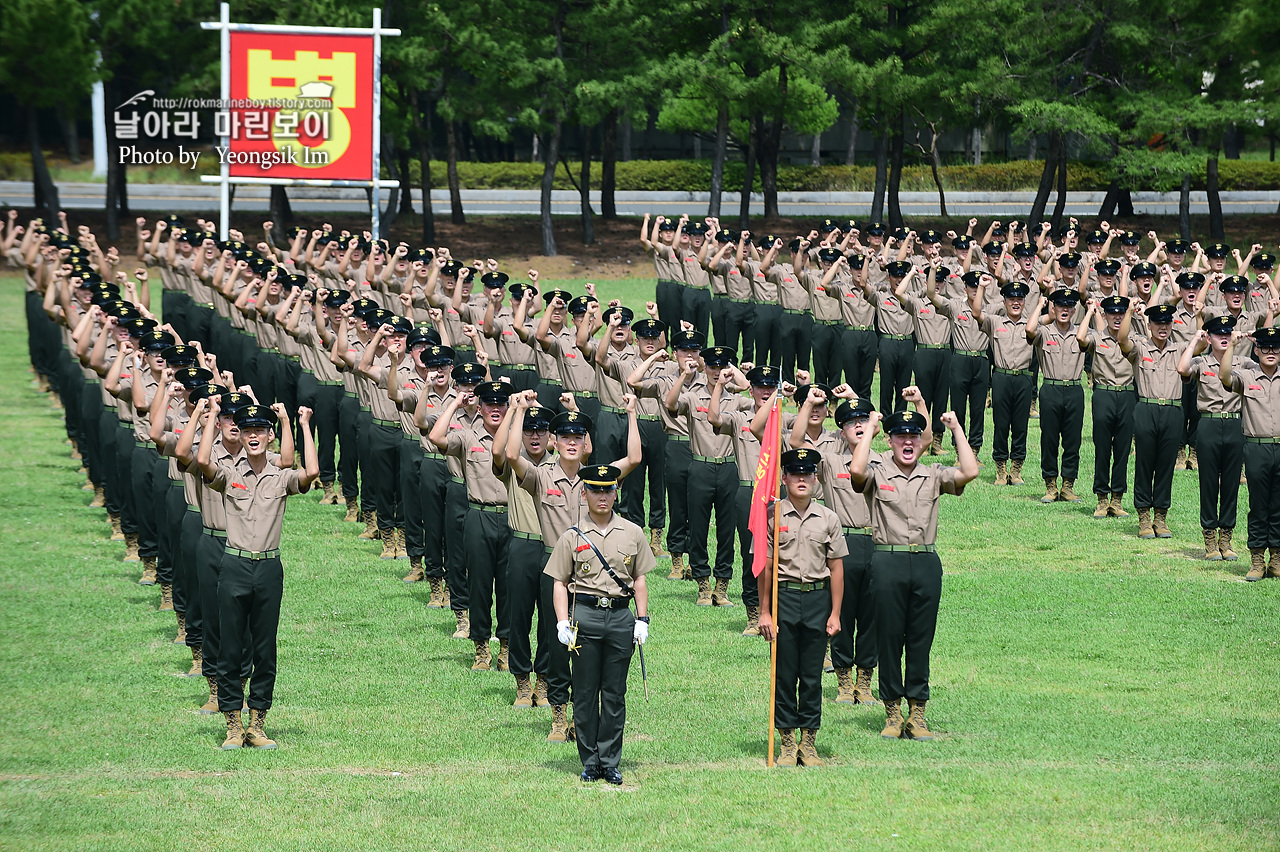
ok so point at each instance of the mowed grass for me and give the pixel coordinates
(1098, 692)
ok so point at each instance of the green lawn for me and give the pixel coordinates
(1098, 692)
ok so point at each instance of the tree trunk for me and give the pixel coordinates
(281, 211)
(697, 146)
(1046, 184)
(608, 162)
(389, 156)
(1124, 203)
(1231, 143)
(69, 129)
(533, 158)
(1061, 205)
(815, 150)
(882, 173)
(626, 139)
(1108, 208)
(770, 147)
(548, 181)
(46, 192)
(718, 158)
(749, 173)
(851, 152)
(1216, 229)
(422, 135)
(455, 192)
(111, 95)
(1031, 148)
(406, 191)
(935, 163)
(977, 146)
(895, 171)
(1184, 208)
(584, 190)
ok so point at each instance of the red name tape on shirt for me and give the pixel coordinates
(581, 548)
(240, 486)
(702, 408)
(1255, 387)
(784, 529)
(1145, 358)
(842, 476)
(477, 449)
(1002, 328)
(555, 492)
(1207, 373)
(887, 487)
(1051, 343)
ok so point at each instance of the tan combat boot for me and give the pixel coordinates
(197, 663)
(116, 533)
(415, 574)
(1192, 462)
(1159, 524)
(753, 621)
(827, 666)
(1015, 473)
(677, 567)
(181, 638)
(483, 657)
(1257, 565)
(444, 595)
(1050, 490)
(655, 543)
(1068, 492)
(211, 706)
(329, 498)
(893, 720)
(809, 748)
(235, 731)
(540, 690)
(1145, 530)
(1273, 564)
(502, 664)
(1115, 509)
(524, 693)
(402, 548)
(916, 729)
(463, 630)
(1034, 413)
(789, 751)
(370, 531)
(559, 724)
(388, 544)
(1002, 473)
(131, 548)
(1224, 544)
(1181, 461)
(720, 594)
(844, 683)
(935, 446)
(862, 689)
(166, 598)
(99, 498)
(353, 510)
(704, 592)
(436, 601)
(148, 572)
(1211, 551)
(1104, 506)
(255, 737)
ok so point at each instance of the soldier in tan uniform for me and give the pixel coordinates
(598, 568)
(658, 242)
(1113, 402)
(896, 324)
(1258, 386)
(906, 574)
(810, 576)
(931, 363)
(1061, 397)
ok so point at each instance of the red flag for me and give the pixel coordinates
(766, 488)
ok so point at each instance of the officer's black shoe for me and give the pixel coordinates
(612, 775)
(592, 773)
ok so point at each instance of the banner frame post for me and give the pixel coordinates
(224, 170)
(773, 587)
(375, 214)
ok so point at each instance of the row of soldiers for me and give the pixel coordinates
(666, 414)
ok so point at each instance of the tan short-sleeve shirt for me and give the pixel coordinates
(1110, 367)
(574, 562)
(1009, 345)
(254, 502)
(1060, 355)
(473, 445)
(1156, 369)
(1260, 406)
(904, 506)
(1211, 395)
(557, 497)
(806, 540)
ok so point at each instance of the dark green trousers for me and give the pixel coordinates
(552, 658)
(858, 359)
(610, 441)
(667, 297)
(766, 333)
(802, 643)
(695, 305)
(125, 447)
(896, 358)
(384, 472)
(712, 486)
(1220, 455)
(175, 507)
(348, 444)
(364, 452)
(855, 644)
(652, 470)
(1112, 438)
(679, 459)
(455, 551)
(719, 315)
(209, 551)
(600, 667)
(410, 470)
(188, 572)
(795, 332)
(433, 488)
(249, 593)
(525, 561)
(827, 359)
(1157, 433)
(141, 472)
(970, 380)
(742, 507)
(488, 541)
(931, 370)
(907, 588)
(1010, 413)
(324, 402)
(1061, 422)
(737, 328)
(1190, 415)
(1262, 466)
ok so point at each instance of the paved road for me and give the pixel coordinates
(189, 198)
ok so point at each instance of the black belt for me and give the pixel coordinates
(802, 587)
(601, 602)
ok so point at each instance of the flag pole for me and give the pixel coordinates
(773, 594)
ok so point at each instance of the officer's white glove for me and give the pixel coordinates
(564, 632)
(641, 632)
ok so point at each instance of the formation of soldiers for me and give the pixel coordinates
(477, 427)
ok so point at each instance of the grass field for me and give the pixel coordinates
(1098, 692)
